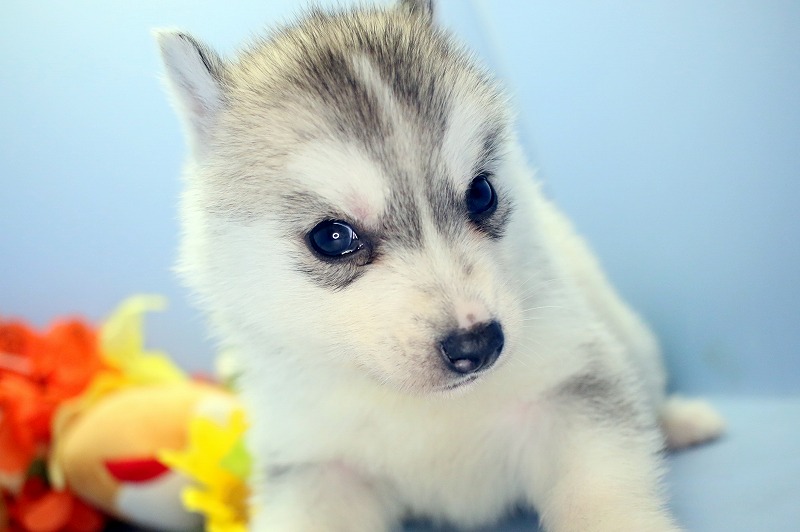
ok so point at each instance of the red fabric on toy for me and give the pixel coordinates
(136, 470)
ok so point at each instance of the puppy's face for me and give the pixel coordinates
(348, 196)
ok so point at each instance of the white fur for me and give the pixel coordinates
(342, 176)
(356, 421)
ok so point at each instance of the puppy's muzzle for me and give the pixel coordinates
(470, 350)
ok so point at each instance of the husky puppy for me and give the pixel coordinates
(419, 331)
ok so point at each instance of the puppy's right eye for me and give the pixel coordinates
(481, 198)
(334, 239)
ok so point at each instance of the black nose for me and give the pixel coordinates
(468, 350)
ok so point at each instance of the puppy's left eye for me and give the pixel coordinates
(334, 239)
(481, 198)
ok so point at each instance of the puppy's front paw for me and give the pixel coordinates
(329, 497)
(620, 519)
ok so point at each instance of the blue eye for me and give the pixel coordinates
(481, 198)
(334, 239)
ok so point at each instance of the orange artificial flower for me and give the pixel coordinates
(39, 509)
(49, 376)
(37, 373)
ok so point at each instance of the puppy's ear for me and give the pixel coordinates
(195, 76)
(420, 7)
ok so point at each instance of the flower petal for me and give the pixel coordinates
(49, 513)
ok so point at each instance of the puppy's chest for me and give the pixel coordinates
(423, 448)
(459, 461)
(427, 449)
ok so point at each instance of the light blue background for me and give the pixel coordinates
(668, 129)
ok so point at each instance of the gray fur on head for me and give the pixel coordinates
(422, 7)
(328, 74)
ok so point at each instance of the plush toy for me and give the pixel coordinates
(111, 455)
(124, 433)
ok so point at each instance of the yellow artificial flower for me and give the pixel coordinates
(122, 344)
(219, 465)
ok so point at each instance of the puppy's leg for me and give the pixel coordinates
(595, 464)
(321, 498)
(687, 422)
(601, 483)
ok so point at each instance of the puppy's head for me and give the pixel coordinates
(348, 195)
